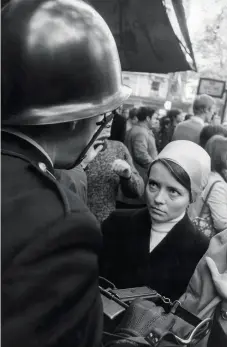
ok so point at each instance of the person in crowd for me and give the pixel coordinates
(163, 139)
(211, 206)
(54, 88)
(210, 130)
(111, 170)
(176, 117)
(131, 119)
(203, 108)
(118, 128)
(140, 140)
(205, 297)
(158, 246)
(216, 119)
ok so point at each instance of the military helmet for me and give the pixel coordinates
(59, 63)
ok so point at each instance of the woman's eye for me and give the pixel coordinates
(173, 192)
(152, 184)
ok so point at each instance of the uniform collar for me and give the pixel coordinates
(198, 120)
(31, 141)
(21, 144)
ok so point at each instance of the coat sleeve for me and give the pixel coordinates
(217, 203)
(51, 289)
(133, 187)
(140, 151)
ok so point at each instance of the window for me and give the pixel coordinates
(155, 85)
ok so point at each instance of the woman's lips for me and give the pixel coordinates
(156, 210)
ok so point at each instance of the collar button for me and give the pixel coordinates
(42, 167)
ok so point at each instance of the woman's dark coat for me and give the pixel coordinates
(168, 268)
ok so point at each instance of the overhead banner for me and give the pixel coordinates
(144, 35)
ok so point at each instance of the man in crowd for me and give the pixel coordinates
(203, 109)
(140, 140)
(60, 71)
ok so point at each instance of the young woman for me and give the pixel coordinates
(158, 246)
(211, 206)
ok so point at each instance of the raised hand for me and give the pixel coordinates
(122, 168)
(220, 280)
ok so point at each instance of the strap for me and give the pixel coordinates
(187, 316)
(207, 197)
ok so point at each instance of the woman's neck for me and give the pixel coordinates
(165, 227)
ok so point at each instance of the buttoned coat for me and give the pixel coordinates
(168, 268)
(50, 245)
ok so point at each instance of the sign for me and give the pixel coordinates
(168, 105)
(209, 86)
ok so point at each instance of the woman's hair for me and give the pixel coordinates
(188, 116)
(132, 113)
(118, 128)
(172, 114)
(216, 147)
(144, 112)
(209, 131)
(177, 172)
(163, 122)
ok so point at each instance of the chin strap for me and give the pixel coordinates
(103, 123)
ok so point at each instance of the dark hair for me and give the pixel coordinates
(188, 116)
(216, 147)
(176, 171)
(144, 112)
(172, 114)
(118, 128)
(210, 130)
(163, 122)
(132, 113)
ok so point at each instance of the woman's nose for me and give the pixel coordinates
(160, 197)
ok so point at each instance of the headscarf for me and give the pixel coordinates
(193, 159)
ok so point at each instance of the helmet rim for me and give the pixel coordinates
(72, 112)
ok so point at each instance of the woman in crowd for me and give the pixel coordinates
(110, 170)
(158, 246)
(131, 119)
(163, 138)
(211, 206)
(210, 130)
(205, 297)
(176, 116)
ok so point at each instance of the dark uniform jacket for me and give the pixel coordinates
(126, 260)
(50, 245)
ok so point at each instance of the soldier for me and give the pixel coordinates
(60, 72)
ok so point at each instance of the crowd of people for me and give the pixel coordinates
(91, 190)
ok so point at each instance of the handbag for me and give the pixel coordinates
(205, 225)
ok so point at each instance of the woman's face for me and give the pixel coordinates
(166, 197)
(153, 121)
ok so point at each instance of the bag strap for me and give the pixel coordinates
(207, 197)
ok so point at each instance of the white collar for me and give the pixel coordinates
(198, 120)
(167, 226)
(28, 139)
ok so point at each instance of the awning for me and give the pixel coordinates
(144, 35)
